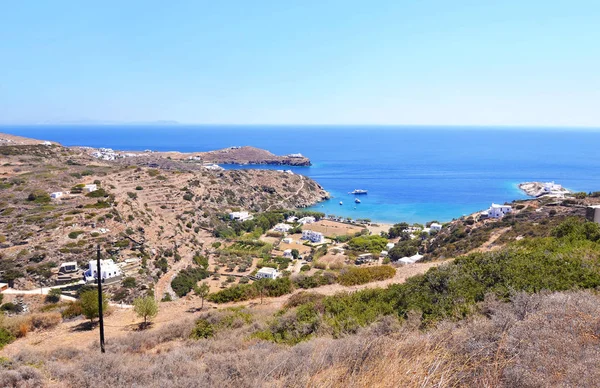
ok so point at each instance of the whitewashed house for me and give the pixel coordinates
(267, 273)
(389, 246)
(435, 227)
(306, 220)
(383, 254)
(283, 228)
(312, 236)
(108, 270)
(56, 194)
(68, 267)
(411, 260)
(291, 219)
(288, 253)
(287, 240)
(240, 216)
(498, 211)
(90, 188)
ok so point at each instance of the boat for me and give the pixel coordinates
(358, 191)
(356, 200)
(341, 203)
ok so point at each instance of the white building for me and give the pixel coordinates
(90, 188)
(287, 240)
(389, 246)
(213, 167)
(550, 187)
(435, 227)
(283, 228)
(498, 211)
(287, 253)
(312, 236)
(291, 219)
(383, 253)
(240, 216)
(306, 220)
(69, 266)
(267, 273)
(411, 260)
(56, 194)
(108, 270)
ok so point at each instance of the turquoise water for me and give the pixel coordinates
(413, 174)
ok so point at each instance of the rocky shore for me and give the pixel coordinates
(540, 189)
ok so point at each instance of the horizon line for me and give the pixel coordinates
(169, 123)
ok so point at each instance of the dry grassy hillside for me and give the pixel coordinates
(149, 215)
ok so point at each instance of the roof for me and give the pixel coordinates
(71, 263)
(495, 205)
(267, 270)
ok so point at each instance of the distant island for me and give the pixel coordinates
(231, 155)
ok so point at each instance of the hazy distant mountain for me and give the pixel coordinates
(106, 122)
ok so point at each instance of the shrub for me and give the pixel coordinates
(186, 279)
(99, 193)
(203, 329)
(373, 244)
(129, 282)
(264, 287)
(132, 195)
(73, 235)
(139, 188)
(53, 296)
(355, 275)
(73, 310)
(5, 337)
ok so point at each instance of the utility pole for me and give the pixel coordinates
(100, 316)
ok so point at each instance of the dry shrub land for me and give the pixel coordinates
(514, 304)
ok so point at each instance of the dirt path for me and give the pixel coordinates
(489, 244)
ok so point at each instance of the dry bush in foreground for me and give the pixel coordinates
(536, 340)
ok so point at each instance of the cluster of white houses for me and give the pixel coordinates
(91, 187)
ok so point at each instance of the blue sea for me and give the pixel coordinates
(413, 174)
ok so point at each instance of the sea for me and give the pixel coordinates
(412, 173)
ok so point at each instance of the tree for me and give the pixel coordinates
(295, 254)
(202, 292)
(146, 308)
(261, 286)
(89, 304)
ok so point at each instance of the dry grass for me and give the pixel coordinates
(537, 340)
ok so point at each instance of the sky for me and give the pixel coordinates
(386, 62)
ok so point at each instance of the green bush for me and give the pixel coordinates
(360, 275)
(203, 329)
(129, 282)
(241, 292)
(5, 337)
(186, 279)
(373, 244)
(99, 193)
(53, 296)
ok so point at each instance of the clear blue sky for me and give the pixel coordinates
(480, 62)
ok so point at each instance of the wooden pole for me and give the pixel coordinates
(100, 316)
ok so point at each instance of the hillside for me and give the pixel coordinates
(485, 300)
(145, 214)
